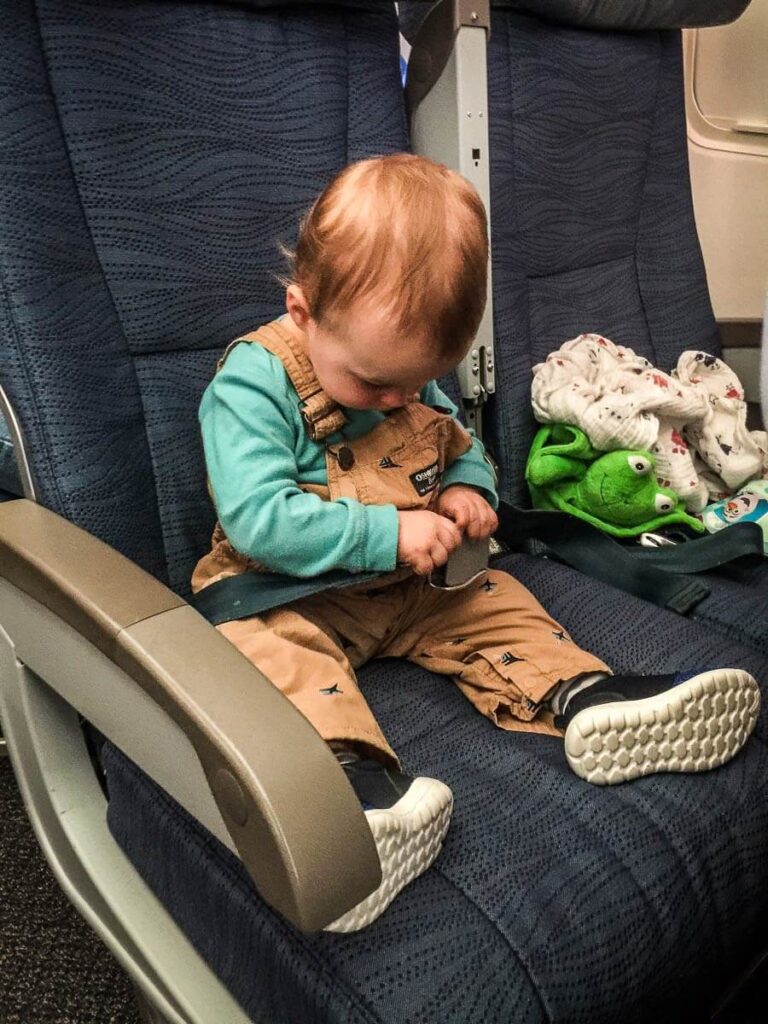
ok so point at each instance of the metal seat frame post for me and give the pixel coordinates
(447, 99)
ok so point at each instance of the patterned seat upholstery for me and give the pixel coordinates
(174, 146)
(593, 230)
(151, 157)
(552, 900)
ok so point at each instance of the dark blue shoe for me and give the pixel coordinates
(623, 727)
(408, 818)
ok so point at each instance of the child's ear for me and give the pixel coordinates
(297, 306)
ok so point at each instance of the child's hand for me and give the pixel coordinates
(469, 510)
(425, 540)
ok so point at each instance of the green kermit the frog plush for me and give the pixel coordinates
(616, 491)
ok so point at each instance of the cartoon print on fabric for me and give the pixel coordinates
(748, 505)
(721, 437)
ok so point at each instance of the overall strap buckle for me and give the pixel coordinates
(322, 416)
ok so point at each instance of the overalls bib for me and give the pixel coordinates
(400, 462)
(503, 650)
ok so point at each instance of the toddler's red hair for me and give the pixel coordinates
(403, 232)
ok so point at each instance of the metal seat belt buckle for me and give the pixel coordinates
(466, 564)
(656, 540)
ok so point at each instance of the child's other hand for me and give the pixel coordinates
(469, 510)
(425, 540)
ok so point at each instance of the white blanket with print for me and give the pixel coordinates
(694, 420)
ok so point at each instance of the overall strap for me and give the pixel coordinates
(321, 415)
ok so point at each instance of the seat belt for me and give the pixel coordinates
(653, 574)
(586, 548)
(250, 593)
(741, 540)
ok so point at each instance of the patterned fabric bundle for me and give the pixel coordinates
(692, 420)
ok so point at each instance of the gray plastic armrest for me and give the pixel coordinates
(289, 809)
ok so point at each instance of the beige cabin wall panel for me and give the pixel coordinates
(726, 85)
(731, 80)
(730, 200)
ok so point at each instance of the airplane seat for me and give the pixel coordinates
(592, 218)
(151, 281)
(550, 900)
(153, 154)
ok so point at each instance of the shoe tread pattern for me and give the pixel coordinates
(698, 725)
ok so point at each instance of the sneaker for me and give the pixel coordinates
(623, 727)
(408, 818)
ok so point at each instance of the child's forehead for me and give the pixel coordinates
(374, 317)
(376, 348)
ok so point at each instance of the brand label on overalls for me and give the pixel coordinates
(425, 480)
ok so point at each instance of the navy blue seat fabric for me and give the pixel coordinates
(593, 230)
(150, 156)
(159, 154)
(552, 900)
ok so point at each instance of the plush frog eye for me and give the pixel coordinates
(638, 464)
(663, 503)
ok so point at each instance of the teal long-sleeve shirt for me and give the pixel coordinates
(257, 451)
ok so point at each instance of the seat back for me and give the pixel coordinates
(151, 158)
(592, 221)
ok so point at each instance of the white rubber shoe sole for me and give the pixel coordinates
(409, 836)
(695, 726)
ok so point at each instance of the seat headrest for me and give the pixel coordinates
(275, 5)
(625, 15)
(631, 14)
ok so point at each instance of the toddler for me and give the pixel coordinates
(330, 446)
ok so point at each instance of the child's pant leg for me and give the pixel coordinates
(505, 652)
(307, 663)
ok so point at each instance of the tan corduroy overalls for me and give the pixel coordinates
(502, 649)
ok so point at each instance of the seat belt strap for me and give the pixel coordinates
(647, 573)
(741, 540)
(589, 550)
(250, 593)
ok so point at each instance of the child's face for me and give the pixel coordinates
(361, 361)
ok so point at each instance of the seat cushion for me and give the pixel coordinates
(552, 899)
(737, 605)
